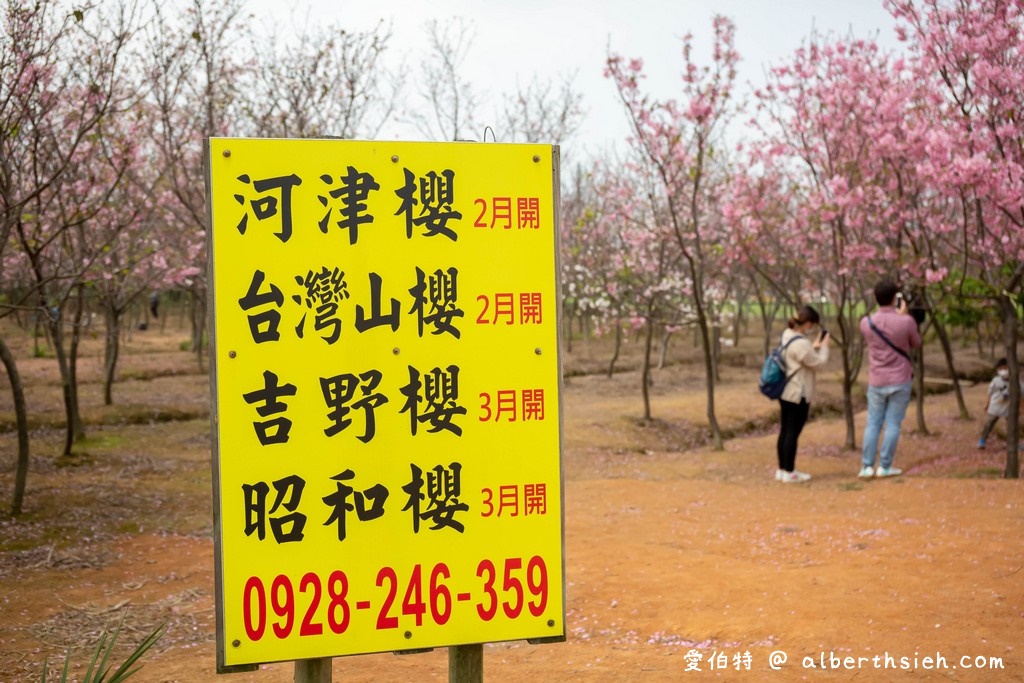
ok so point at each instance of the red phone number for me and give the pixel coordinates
(420, 597)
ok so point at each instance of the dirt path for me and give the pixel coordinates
(676, 557)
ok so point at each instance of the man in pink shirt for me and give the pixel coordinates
(889, 335)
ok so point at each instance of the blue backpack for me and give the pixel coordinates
(773, 372)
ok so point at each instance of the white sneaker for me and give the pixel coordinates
(866, 472)
(778, 474)
(888, 472)
(794, 477)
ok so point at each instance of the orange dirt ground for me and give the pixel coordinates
(677, 557)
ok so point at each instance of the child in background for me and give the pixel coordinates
(998, 403)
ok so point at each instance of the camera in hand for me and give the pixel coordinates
(914, 308)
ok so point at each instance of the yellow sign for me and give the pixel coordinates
(387, 456)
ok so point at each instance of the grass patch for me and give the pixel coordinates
(981, 473)
(77, 459)
(101, 441)
(145, 374)
(129, 527)
(111, 415)
(145, 415)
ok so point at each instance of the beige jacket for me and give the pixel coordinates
(801, 354)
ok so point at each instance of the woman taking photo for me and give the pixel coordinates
(802, 358)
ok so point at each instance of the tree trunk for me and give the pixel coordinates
(947, 349)
(1009, 310)
(709, 375)
(198, 325)
(567, 330)
(922, 428)
(130, 324)
(111, 351)
(851, 429)
(618, 348)
(716, 350)
(163, 318)
(666, 336)
(182, 309)
(645, 375)
(54, 326)
(36, 324)
(766, 323)
(19, 320)
(47, 317)
(77, 318)
(739, 323)
(21, 420)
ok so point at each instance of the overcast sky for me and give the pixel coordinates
(516, 39)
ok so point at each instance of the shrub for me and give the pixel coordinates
(99, 670)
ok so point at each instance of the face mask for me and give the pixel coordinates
(1004, 373)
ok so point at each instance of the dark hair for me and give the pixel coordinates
(805, 314)
(885, 292)
(1001, 363)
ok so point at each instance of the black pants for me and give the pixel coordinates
(990, 423)
(794, 417)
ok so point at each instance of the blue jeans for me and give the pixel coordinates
(886, 405)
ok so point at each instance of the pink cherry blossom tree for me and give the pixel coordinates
(195, 65)
(135, 254)
(971, 53)
(59, 248)
(59, 75)
(587, 247)
(928, 235)
(676, 141)
(760, 217)
(644, 281)
(822, 114)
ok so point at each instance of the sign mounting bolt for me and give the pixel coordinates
(227, 153)
(536, 158)
(394, 159)
(538, 351)
(236, 643)
(232, 354)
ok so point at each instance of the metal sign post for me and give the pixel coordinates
(466, 664)
(313, 670)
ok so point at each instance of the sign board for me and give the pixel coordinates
(386, 396)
